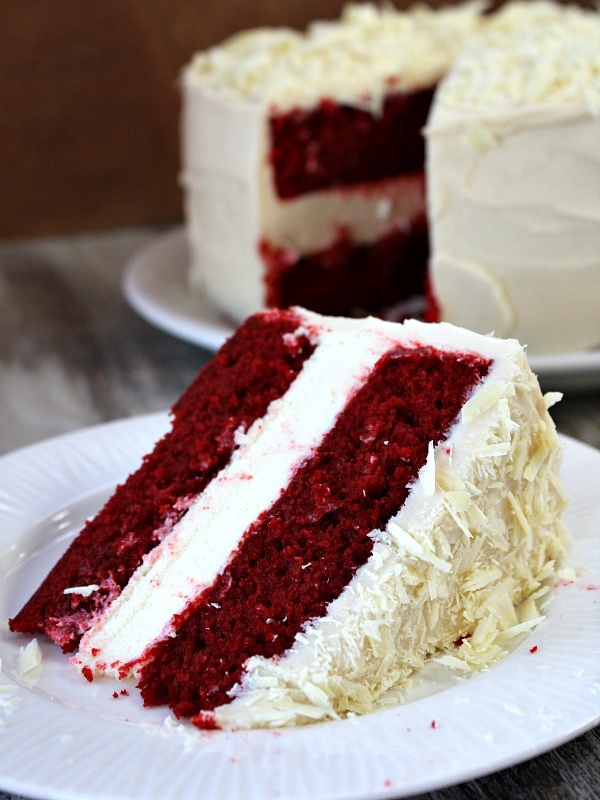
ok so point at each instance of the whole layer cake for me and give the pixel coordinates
(306, 178)
(337, 500)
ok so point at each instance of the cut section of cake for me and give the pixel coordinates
(337, 501)
(235, 389)
(303, 159)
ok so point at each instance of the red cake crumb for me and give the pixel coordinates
(233, 390)
(300, 554)
(308, 154)
(205, 721)
(87, 674)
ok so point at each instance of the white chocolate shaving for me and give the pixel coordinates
(552, 398)
(29, 662)
(9, 698)
(84, 591)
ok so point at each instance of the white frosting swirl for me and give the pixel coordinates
(513, 176)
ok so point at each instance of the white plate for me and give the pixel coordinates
(68, 738)
(155, 284)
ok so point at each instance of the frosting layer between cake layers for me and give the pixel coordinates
(233, 390)
(513, 177)
(479, 532)
(268, 454)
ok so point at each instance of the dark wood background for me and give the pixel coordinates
(89, 99)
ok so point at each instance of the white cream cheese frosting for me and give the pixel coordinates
(479, 532)
(513, 180)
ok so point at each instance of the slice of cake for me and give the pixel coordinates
(303, 160)
(513, 176)
(336, 501)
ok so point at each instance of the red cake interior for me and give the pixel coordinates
(308, 152)
(235, 388)
(334, 146)
(301, 553)
(348, 279)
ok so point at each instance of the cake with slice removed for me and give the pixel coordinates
(391, 156)
(336, 501)
(303, 159)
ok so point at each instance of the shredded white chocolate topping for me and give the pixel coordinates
(356, 59)
(455, 575)
(532, 54)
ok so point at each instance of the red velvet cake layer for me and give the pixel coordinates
(300, 554)
(347, 279)
(253, 368)
(308, 153)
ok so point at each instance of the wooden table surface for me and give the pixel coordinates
(73, 354)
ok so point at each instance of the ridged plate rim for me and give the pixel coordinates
(94, 747)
